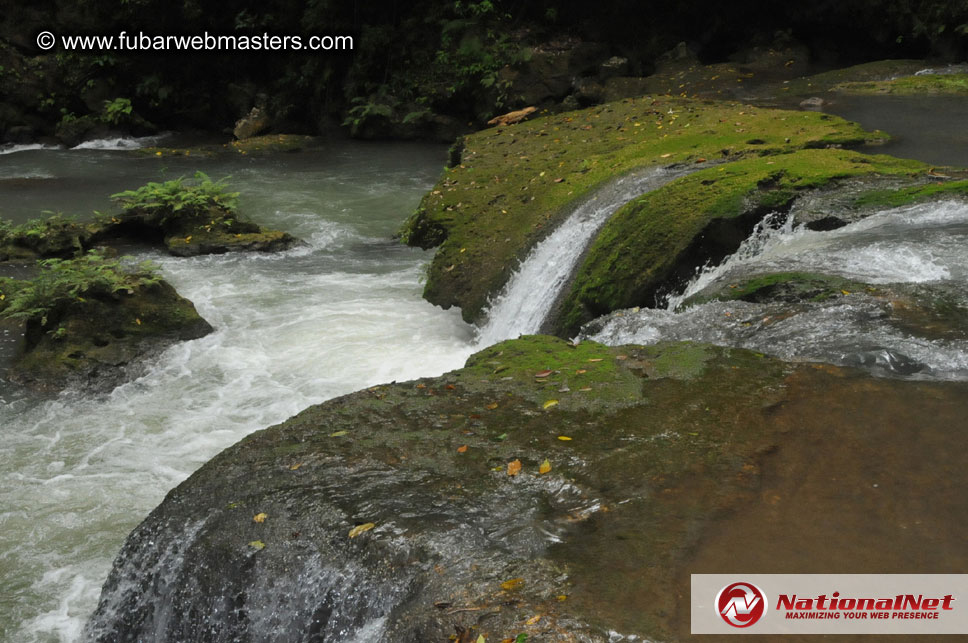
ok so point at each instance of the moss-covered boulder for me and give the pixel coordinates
(656, 242)
(559, 491)
(190, 218)
(91, 322)
(931, 84)
(254, 146)
(514, 184)
(55, 236)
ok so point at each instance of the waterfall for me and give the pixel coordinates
(912, 249)
(531, 292)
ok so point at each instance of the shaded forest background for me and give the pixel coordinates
(420, 68)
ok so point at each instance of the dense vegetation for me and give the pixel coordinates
(412, 62)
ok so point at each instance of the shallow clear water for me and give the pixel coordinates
(927, 128)
(293, 329)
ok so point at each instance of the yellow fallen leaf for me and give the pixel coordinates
(564, 438)
(580, 371)
(545, 467)
(188, 239)
(562, 597)
(513, 583)
(549, 404)
(514, 467)
(257, 545)
(338, 434)
(595, 359)
(481, 639)
(845, 292)
(491, 406)
(359, 529)
(534, 619)
(260, 517)
(137, 321)
(295, 466)
(462, 449)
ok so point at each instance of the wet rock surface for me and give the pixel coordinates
(99, 341)
(392, 514)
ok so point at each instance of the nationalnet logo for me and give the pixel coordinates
(830, 604)
(741, 604)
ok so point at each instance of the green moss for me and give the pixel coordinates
(915, 194)
(256, 145)
(953, 84)
(55, 236)
(654, 238)
(877, 70)
(192, 217)
(514, 184)
(96, 335)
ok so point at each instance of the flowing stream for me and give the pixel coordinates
(344, 312)
(919, 247)
(78, 473)
(533, 289)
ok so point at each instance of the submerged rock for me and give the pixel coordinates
(560, 491)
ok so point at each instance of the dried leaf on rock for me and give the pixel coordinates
(359, 529)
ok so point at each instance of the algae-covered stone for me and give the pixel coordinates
(515, 184)
(56, 236)
(391, 511)
(936, 84)
(656, 242)
(190, 218)
(89, 321)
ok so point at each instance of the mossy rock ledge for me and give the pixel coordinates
(391, 513)
(513, 185)
(100, 340)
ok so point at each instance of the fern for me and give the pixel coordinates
(64, 281)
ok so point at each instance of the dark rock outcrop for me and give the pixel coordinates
(392, 514)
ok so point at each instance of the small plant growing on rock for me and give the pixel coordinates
(61, 282)
(179, 196)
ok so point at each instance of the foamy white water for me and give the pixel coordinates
(119, 143)
(13, 148)
(921, 244)
(293, 329)
(914, 244)
(533, 289)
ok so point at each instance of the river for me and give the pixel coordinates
(77, 473)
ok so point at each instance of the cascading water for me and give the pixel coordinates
(77, 473)
(533, 289)
(917, 246)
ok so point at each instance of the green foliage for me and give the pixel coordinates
(179, 196)
(378, 105)
(60, 282)
(474, 47)
(115, 111)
